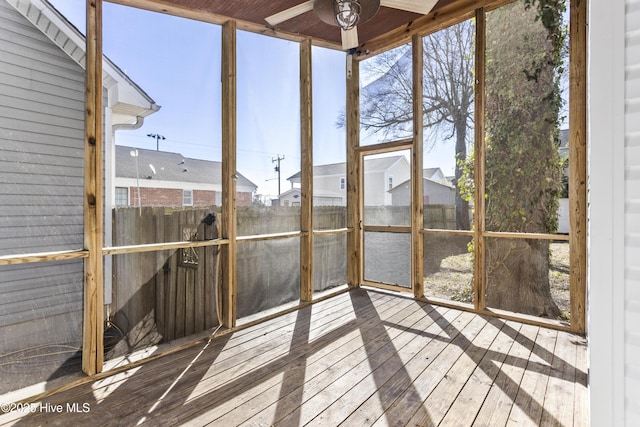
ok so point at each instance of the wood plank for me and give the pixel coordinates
(417, 178)
(172, 230)
(160, 278)
(410, 403)
(40, 257)
(229, 209)
(92, 336)
(497, 405)
(581, 415)
(199, 15)
(371, 345)
(386, 147)
(446, 16)
(527, 408)
(558, 400)
(180, 296)
(430, 343)
(473, 395)
(354, 176)
(244, 364)
(308, 375)
(578, 164)
(241, 342)
(540, 236)
(306, 164)
(439, 402)
(200, 291)
(479, 268)
(363, 357)
(378, 395)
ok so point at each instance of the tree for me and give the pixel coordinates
(523, 166)
(524, 66)
(447, 98)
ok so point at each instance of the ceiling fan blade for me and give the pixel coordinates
(421, 6)
(349, 38)
(292, 12)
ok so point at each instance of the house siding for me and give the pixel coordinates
(632, 213)
(41, 141)
(41, 198)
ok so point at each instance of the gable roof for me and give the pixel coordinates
(173, 167)
(376, 164)
(430, 172)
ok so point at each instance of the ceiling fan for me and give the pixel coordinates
(346, 14)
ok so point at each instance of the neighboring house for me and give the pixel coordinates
(158, 178)
(330, 185)
(434, 193)
(291, 197)
(386, 181)
(42, 109)
(436, 174)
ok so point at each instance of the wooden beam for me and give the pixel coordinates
(198, 14)
(388, 228)
(417, 199)
(446, 231)
(480, 280)
(306, 178)
(43, 256)
(541, 236)
(443, 17)
(228, 223)
(273, 236)
(92, 339)
(578, 164)
(153, 247)
(354, 175)
(386, 147)
(333, 231)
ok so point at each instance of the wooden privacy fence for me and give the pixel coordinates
(171, 292)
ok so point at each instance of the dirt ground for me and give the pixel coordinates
(453, 280)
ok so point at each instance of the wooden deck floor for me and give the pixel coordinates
(360, 358)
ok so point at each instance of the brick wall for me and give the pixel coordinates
(173, 197)
(204, 198)
(156, 196)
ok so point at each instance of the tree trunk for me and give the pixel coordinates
(462, 206)
(518, 277)
(522, 160)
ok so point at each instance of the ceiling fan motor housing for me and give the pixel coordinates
(325, 9)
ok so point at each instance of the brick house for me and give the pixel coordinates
(158, 178)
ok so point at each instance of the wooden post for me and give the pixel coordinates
(306, 149)
(228, 222)
(480, 279)
(92, 340)
(417, 238)
(354, 179)
(578, 165)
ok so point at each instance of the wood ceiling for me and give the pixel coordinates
(251, 14)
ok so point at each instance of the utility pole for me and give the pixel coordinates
(157, 137)
(277, 169)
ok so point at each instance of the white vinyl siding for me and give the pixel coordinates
(632, 213)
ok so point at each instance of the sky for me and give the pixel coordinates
(176, 61)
